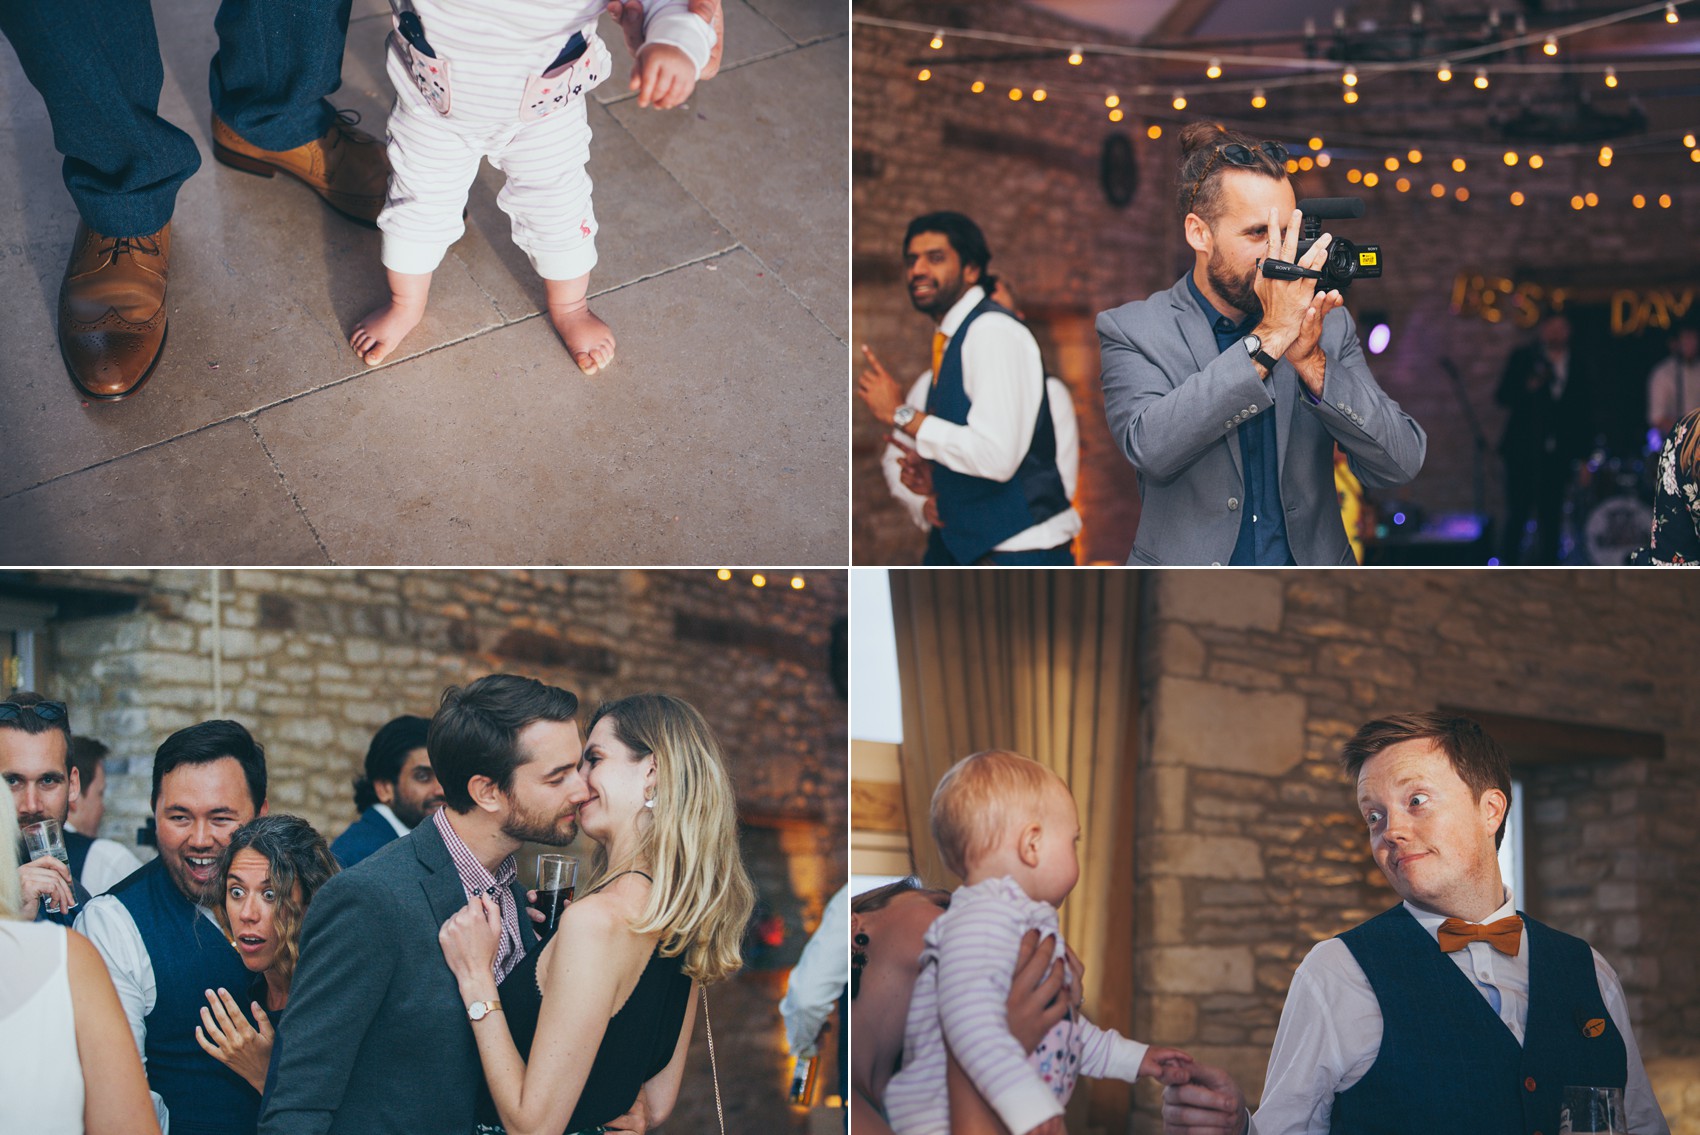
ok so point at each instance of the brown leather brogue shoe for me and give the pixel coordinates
(112, 312)
(345, 166)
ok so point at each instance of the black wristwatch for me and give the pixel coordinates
(1254, 348)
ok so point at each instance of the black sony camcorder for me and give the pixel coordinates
(1346, 261)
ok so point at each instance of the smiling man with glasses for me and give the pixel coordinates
(1229, 391)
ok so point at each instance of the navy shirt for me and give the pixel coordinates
(1263, 522)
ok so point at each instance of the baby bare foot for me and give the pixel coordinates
(588, 339)
(375, 336)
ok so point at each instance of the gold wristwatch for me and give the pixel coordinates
(478, 1010)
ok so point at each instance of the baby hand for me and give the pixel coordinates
(1166, 1065)
(665, 76)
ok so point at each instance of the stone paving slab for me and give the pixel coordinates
(695, 442)
(160, 507)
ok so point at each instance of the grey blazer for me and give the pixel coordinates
(1175, 404)
(375, 1039)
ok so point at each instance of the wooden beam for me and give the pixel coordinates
(1545, 741)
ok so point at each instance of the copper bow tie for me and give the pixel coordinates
(1506, 935)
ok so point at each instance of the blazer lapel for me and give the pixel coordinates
(1195, 331)
(441, 884)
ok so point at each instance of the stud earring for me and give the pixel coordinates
(649, 801)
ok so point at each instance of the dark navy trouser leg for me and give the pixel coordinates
(96, 64)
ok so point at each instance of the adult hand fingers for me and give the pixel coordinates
(1274, 233)
(207, 1046)
(238, 1023)
(1290, 241)
(213, 1031)
(264, 1022)
(873, 362)
(1318, 252)
(225, 1024)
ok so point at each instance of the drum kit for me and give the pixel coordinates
(1608, 510)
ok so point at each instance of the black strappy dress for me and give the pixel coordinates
(639, 1042)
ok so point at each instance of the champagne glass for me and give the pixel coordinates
(46, 838)
(1592, 1110)
(557, 879)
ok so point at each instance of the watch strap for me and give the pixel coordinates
(1264, 358)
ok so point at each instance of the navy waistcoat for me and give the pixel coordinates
(1448, 1063)
(189, 955)
(976, 514)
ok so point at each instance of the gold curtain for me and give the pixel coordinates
(1041, 662)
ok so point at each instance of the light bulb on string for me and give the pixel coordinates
(1314, 141)
(1039, 95)
(1015, 94)
(1112, 100)
(1350, 78)
(1258, 100)
(1611, 76)
(1445, 72)
(1592, 199)
(978, 86)
(1354, 175)
(937, 41)
(1403, 185)
(1670, 13)
(926, 73)
(1214, 71)
(1323, 160)
(1414, 156)
(1605, 155)
(1511, 157)
(1391, 164)
(1116, 114)
(1437, 190)
(1461, 193)
(1481, 79)
(1292, 165)
(1550, 47)
(1664, 200)
(1536, 161)
(1638, 201)
(1577, 203)
(1306, 163)
(1075, 58)
(1517, 197)
(1458, 165)
(1694, 155)
(1179, 101)
(1154, 132)
(1350, 96)
(1371, 179)
(1688, 140)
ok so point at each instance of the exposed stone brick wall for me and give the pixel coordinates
(1029, 175)
(314, 661)
(1250, 846)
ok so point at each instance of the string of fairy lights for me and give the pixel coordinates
(1160, 103)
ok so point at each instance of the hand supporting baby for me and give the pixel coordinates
(664, 76)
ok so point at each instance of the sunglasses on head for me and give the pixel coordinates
(1238, 154)
(51, 711)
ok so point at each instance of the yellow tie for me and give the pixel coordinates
(939, 340)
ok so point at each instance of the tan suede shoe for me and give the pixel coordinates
(112, 312)
(346, 167)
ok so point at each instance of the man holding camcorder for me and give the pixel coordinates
(1229, 390)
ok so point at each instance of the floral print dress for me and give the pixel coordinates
(1676, 509)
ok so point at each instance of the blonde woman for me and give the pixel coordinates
(601, 1016)
(68, 1063)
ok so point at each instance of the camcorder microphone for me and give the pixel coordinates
(1346, 261)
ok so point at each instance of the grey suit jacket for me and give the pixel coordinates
(375, 1038)
(1175, 404)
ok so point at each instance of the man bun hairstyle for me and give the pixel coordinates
(1476, 758)
(965, 238)
(387, 753)
(1202, 166)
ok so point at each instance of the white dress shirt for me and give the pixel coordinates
(108, 864)
(819, 977)
(107, 923)
(384, 811)
(1000, 361)
(1330, 1029)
